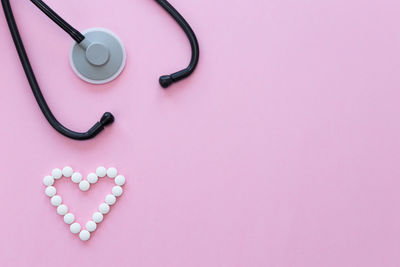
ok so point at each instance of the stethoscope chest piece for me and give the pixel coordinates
(99, 58)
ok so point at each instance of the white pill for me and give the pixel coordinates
(120, 180)
(50, 191)
(76, 177)
(56, 201)
(67, 171)
(111, 199)
(97, 217)
(62, 209)
(92, 178)
(84, 185)
(91, 226)
(101, 171)
(112, 172)
(104, 208)
(69, 218)
(48, 180)
(84, 235)
(117, 191)
(56, 173)
(75, 228)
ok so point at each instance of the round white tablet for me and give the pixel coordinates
(84, 235)
(69, 218)
(111, 199)
(67, 171)
(97, 217)
(92, 178)
(48, 180)
(50, 191)
(101, 171)
(112, 172)
(75, 228)
(56, 173)
(120, 180)
(117, 191)
(84, 185)
(104, 208)
(56, 201)
(62, 209)
(91, 226)
(76, 177)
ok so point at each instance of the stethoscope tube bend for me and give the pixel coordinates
(105, 120)
(167, 80)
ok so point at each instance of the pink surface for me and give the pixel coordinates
(281, 150)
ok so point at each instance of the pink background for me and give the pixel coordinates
(281, 150)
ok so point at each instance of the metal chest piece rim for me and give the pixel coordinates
(100, 58)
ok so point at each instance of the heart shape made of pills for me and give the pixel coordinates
(84, 185)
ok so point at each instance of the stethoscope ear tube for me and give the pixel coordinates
(167, 80)
(105, 120)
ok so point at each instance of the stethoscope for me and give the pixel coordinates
(93, 58)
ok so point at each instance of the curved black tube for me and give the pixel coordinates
(167, 80)
(105, 120)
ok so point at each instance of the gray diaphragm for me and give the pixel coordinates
(99, 58)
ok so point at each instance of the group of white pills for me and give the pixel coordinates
(84, 185)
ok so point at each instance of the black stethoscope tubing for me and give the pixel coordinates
(107, 117)
(167, 80)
